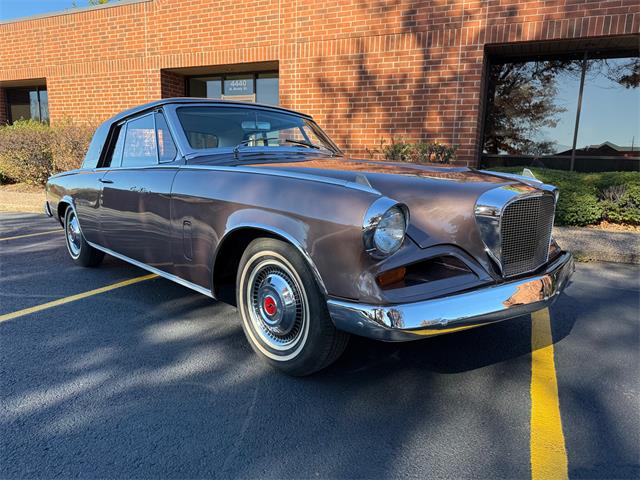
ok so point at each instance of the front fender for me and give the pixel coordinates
(290, 229)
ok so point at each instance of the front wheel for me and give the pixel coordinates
(284, 313)
(80, 251)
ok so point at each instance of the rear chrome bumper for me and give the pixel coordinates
(411, 321)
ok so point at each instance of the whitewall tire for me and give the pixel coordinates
(284, 313)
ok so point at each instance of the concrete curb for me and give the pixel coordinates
(591, 245)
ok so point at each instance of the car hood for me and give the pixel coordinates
(441, 200)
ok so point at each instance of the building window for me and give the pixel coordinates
(28, 103)
(556, 112)
(253, 87)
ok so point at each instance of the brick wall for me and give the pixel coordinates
(171, 85)
(365, 70)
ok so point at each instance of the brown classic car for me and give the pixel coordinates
(256, 206)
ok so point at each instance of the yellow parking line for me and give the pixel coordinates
(73, 298)
(548, 451)
(30, 235)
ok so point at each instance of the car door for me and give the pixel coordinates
(136, 192)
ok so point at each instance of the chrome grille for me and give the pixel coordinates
(525, 231)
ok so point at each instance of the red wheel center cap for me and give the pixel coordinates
(270, 306)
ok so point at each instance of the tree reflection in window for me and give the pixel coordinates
(531, 106)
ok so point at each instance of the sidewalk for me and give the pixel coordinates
(14, 200)
(591, 245)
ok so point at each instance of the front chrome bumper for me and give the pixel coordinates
(411, 321)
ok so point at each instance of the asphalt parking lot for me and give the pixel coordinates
(150, 379)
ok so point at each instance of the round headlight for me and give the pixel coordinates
(385, 227)
(390, 231)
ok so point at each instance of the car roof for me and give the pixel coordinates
(192, 100)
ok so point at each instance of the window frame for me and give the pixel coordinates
(37, 89)
(184, 141)
(583, 55)
(114, 134)
(223, 76)
(175, 145)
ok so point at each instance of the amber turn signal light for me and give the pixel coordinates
(392, 276)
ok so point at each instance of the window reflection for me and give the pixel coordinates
(610, 108)
(28, 103)
(140, 143)
(256, 87)
(532, 108)
(267, 89)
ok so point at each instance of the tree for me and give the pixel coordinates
(522, 100)
(521, 103)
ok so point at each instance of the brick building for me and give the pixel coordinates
(366, 70)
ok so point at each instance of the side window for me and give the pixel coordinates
(166, 148)
(140, 143)
(116, 153)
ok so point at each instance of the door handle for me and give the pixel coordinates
(104, 180)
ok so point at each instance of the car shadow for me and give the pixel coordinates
(154, 380)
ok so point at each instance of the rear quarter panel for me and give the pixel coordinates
(77, 187)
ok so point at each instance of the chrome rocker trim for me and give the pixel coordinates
(157, 271)
(411, 321)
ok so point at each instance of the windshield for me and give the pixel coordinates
(210, 127)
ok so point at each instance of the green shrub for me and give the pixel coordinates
(588, 198)
(69, 145)
(431, 152)
(621, 204)
(25, 152)
(396, 151)
(578, 208)
(31, 151)
(420, 152)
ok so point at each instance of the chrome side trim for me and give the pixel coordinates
(157, 271)
(438, 316)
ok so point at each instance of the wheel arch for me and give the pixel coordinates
(64, 203)
(229, 253)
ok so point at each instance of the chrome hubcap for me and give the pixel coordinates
(276, 305)
(74, 236)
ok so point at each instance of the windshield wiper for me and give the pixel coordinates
(311, 145)
(236, 149)
(306, 144)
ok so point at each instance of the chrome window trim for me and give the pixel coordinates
(183, 142)
(171, 136)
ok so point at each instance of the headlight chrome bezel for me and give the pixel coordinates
(376, 212)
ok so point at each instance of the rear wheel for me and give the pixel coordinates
(284, 313)
(80, 251)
